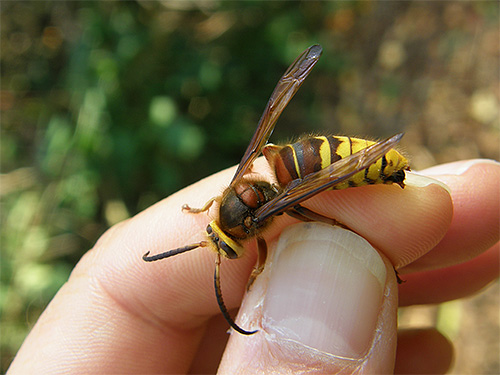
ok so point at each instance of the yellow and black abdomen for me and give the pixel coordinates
(308, 155)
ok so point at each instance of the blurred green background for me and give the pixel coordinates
(108, 107)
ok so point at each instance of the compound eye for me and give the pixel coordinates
(227, 251)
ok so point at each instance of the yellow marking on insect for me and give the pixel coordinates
(394, 162)
(374, 171)
(238, 249)
(343, 150)
(296, 162)
(344, 147)
(358, 145)
(325, 152)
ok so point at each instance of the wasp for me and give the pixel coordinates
(302, 169)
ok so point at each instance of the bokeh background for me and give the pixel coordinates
(108, 107)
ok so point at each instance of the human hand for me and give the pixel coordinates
(117, 314)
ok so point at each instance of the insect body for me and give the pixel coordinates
(311, 154)
(303, 170)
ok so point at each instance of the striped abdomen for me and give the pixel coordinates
(311, 154)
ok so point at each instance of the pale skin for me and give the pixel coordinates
(118, 314)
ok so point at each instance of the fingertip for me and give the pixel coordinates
(423, 351)
(474, 186)
(460, 167)
(420, 220)
(326, 301)
(419, 180)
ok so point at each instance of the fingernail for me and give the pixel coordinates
(457, 168)
(419, 180)
(325, 289)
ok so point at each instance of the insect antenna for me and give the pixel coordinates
(170, 253)
(220, 301)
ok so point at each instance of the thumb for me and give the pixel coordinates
(325, 303)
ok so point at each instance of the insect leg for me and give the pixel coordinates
(220, 301)
(261, 261)
(206, 206)
(305, 214)
(398, 278)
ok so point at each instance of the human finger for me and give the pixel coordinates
(466, 259)
(450, 283)
(474, 186)
(423, 351)
(325, 303)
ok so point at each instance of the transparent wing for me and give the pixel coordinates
(281, 96)
(300, 190)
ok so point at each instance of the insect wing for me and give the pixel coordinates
(284, 91)
(314, 183)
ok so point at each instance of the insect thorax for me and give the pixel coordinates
(238, 205)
